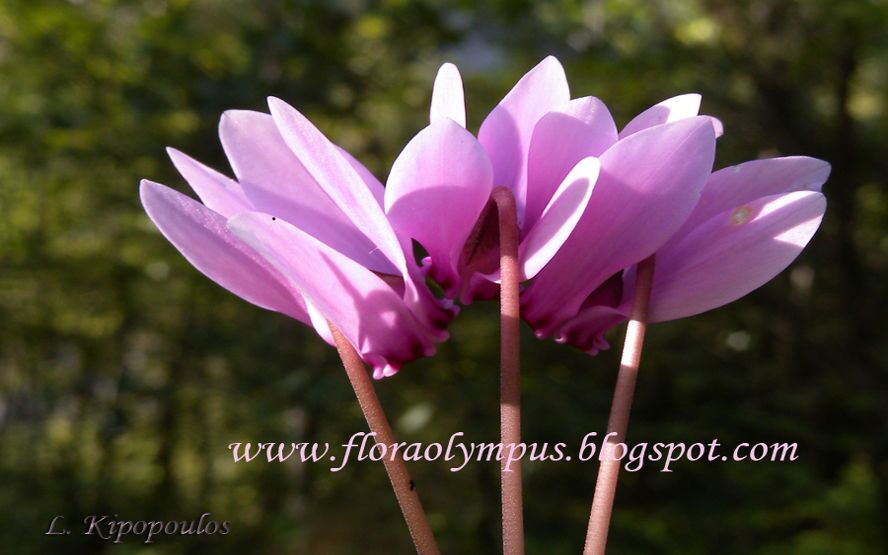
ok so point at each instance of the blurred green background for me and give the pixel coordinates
(124, 373)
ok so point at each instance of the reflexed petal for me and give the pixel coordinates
(202, 237)
(648, 185)
(218, 192)
(447, 96)
(717, 126)
(368, 312)
(582, 127)
(276, 182)
(319, 323)
(339, 180)
(671, 109)
(732, 253)
(343, 184)
(736, 185)
(560, 217)
(436, 191)
(507, 130)
(375, 186)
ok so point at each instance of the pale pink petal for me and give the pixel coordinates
(435, 193)
(560, 217)
(362, 305)
(648, 185)
(583, 127)
(448, 99)
(338, 179)
(319, 323)
(373, 184)
(736, 185)
(218, 192)
(276, 182)
(507, 130)
(671, 109)
(343, 184)
(203, 238)
(732, 253)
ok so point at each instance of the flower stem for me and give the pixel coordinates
(405, 488)
(609, 469)
(510, 370)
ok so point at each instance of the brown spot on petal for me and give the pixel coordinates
(741, 215)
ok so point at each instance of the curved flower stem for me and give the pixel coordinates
(405, 489)
(609, 469)
(510, 370)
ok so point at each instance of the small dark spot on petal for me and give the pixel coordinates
(273, 218)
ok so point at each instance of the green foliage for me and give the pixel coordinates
(124, 374)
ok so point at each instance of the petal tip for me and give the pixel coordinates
(148, 189)
(384, 370)
(275, 103)
(552, 64)
(448, 67)
(551, 60)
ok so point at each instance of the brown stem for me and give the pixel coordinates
(609, 469)
(405, 488)
(510, 370)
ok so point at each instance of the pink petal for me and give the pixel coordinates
(601, 311)
(560, 217)
(447, 96)
(435, 314)
(583, 127)
(736, 185)
(368, 312)
(373, 184)
(733, 253)
(319, 323)
(339, 180)
(507, 130)
(343, 184)
(276, 182)
(202, 237)
(671, 109)
(219, 193)
(586, 330)
(479, 288)
(435, 193)
(648, 185)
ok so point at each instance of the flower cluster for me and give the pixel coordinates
(308, 231)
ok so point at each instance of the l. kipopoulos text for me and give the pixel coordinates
(362, 446)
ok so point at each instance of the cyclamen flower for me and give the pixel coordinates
(716, 236)
(752, 221)
(302, 231)
(439, 189)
